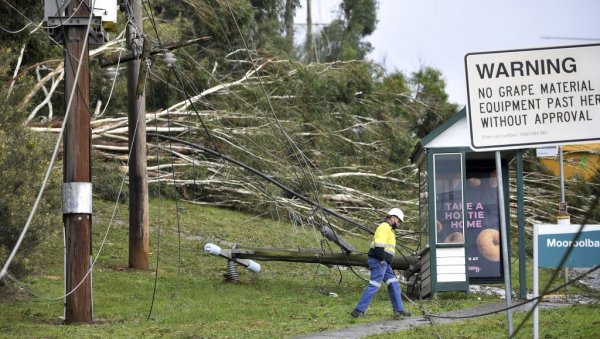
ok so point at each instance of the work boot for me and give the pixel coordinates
(401, 315)
(356, 313)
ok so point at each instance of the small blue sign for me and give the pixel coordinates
(554, 242)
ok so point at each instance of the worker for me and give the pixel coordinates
(380, 256)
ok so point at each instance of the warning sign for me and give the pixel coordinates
(528, 98)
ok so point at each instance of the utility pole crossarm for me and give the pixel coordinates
(113, 59)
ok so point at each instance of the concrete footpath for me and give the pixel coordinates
(591, 281)
(391, 326)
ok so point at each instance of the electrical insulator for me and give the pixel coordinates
(169, 59)
(111, 73)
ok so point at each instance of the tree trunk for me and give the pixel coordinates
(309, 37)
(289, 26)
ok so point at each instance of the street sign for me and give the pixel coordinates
(551, 243)
(554, 241)
(533, 97)
(562, 208)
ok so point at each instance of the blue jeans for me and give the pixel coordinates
(380, 273)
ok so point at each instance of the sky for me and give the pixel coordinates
(439, 33)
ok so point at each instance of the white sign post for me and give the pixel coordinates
(527, 98)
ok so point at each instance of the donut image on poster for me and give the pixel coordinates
(454, 237)
(488, 243)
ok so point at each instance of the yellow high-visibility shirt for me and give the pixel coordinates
(386, 238)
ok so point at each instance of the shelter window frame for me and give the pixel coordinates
(448, 191)
(423, 183)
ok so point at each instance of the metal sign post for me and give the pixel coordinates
(536, 285)
(504, 240)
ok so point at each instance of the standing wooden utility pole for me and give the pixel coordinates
(138, 185)
(77, 191)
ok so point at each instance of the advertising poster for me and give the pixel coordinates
(483, 221)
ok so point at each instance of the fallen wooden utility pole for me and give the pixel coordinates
(316, 256)
(114, 59)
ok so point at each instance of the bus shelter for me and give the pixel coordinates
(459, 219)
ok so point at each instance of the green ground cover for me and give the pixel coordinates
(193, 300)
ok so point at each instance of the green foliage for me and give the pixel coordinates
(343, 38)
(585, 190)
(24, 158)
(109, 91)
(341, 84)
(13, 15)
(361, 19)
(163, 190)
(432, 107)
(108, 181)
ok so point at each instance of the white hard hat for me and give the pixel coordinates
(397, 212)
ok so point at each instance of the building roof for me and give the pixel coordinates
(453, 133)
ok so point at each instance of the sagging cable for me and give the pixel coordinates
(266, 177)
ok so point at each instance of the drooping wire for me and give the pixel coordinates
(152, 20)
(535, 301)
(313, 186)
(179, 75)
(17, 31)
(218, 22)
(292, 144)
(187, 97)
(191, 99)
(266, 177)
(176, 196)
(114, 80)
(207, 71)
(158, 226)
(53, 159)
(296, 150)
(67, 293)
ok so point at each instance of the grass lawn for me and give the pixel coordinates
(192, 299)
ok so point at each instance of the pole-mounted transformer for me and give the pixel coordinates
(103, 20)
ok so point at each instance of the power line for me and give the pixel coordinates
(159, 210)
(535, 300)
(266, 177)
(17, 31)
(302, 160)
(568, 38)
